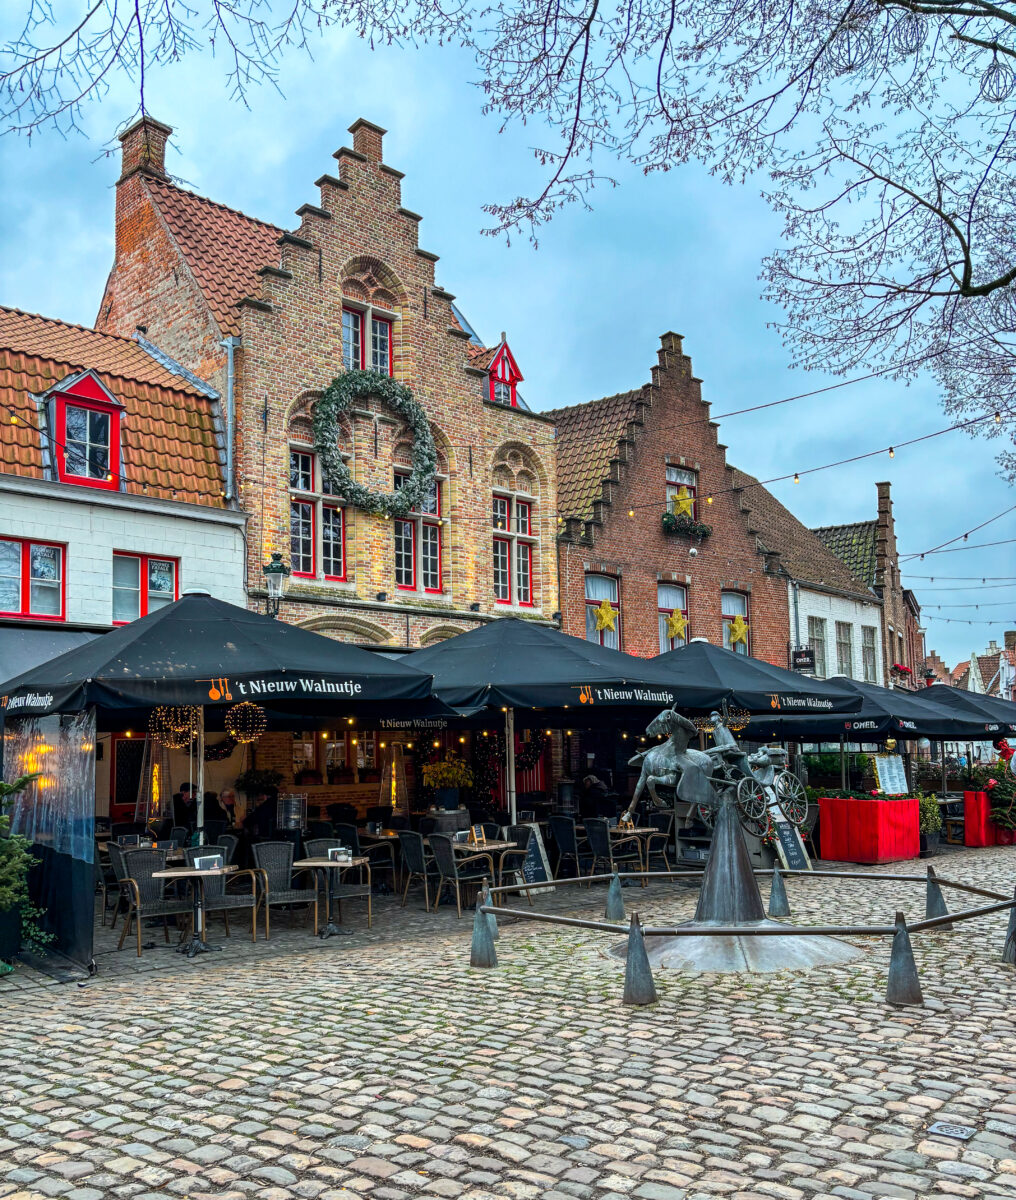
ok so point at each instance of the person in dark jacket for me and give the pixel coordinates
(185, 808)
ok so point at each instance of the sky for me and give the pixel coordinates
(583, 312)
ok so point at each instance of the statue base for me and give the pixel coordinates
(728, 953)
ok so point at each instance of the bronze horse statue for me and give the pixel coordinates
(673, 763)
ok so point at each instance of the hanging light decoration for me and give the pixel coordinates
(851, 46)
(909, 33)
(998, 81)
(176, 727)
(245, 722)
(702, 724)
(738, 719)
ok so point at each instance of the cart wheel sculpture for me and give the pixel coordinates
(751, 799)
(705, 815)
(761, 827)
(791, 797)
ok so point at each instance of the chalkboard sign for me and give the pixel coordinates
(790, 847)
(890, 777)
(536, 867)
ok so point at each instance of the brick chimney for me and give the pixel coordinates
(144, 148)
(1010, 639)
(367, 139)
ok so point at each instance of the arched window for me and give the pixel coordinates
(419, 536)
(515, 546)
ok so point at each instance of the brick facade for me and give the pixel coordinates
(668, 423)
(192, 273)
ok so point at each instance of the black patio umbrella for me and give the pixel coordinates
(884, 712)
(713, 675)
(997, 716)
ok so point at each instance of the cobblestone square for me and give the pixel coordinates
(380, 1065)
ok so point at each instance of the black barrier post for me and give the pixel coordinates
(904, 987)
(484, 898)
(1009, 948)
(639, 988)
(779, 905)
(934, 901)
(615, 901)
(482, 952)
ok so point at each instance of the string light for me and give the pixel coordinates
(892, 452)
(246, 722)
(174, 727)
(797, 478)
(998, 417)
(941, 546)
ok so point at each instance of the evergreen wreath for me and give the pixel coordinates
(337, 399)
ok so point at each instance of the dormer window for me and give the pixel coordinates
(86, 426)
(504, 376)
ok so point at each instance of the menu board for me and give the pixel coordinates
(890, 777)
(536, 867)
(789, 846)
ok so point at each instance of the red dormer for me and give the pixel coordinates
(504, 376)
(84, 417)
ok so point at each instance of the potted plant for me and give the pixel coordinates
(1002, 798)
(255, 781)
(681, 523)
(19, 918)
(446, 777)
(929, 818)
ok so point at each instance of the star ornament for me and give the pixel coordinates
(738, 630)
(684, 503)
(606, 617)
(676, 625)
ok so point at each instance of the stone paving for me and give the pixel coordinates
(380, 1065)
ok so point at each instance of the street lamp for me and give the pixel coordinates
(276, 573)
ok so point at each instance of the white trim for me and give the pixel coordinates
(134, 501)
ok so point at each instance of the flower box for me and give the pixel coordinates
(869, 831)
(977, 827)
(681, 523)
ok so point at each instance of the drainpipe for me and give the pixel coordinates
(797, 613)
(230, 344)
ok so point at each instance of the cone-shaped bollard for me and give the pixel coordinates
(484, 898)
(904, 987)
(779, 905)
(615, 901)
(1009, 948)
(638, 978)
(934, 903)
(482, 952)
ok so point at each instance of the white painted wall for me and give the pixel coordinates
(832, 608)
(208, 543)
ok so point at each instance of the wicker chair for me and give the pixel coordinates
(380, 854)
(105, 882)
(218, 898)
(657, 843)
(491, 830)
(229, 842)
(417, 864)
(146, 896)
(449, 868)
(612, 852)
(567, 841)
(119, 875)
(512, 860)
(274, 861)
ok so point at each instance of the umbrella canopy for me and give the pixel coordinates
(201, 651)
(518, 664)
(884, 712)
(703, 669)
(998, 716)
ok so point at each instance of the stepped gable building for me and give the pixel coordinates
(833, 613)
(657, 542)
(271, 316)
(869, 550)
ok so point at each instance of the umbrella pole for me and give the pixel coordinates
(944, 776)
(843, 765)
(509, 757)
(201, 776)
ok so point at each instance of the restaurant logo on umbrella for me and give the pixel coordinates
(219, 689)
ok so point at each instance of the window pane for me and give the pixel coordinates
(331, 542)
(352, 340)
(670, 595)
(380, 343)
(734, 604)
(844, 648)
(522, 517)
(98, 462)
(76, 423)
(432, 504)
(680, 475)
(430, 553)
(524, 589)
(10, 576)
(161, 583)
(817, 641)
(98, 428)
(301, 538)
(75, 460)
(404, 572)
(45, 598)
(301, 471)
(45, 563)
(499, 512)
(601, 587)
(502, 392)
(126, 571)
(502, 571)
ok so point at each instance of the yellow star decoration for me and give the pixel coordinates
(605, 616)
(676, 625)
(684, 503)
(738, 630)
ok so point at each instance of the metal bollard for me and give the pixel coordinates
(1009, 947)
(484, 898)
(639, 988)
(904, 987)
(615, 900)
(934, 901)
(779, 905)
(482, 952)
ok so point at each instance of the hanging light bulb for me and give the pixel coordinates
(631, 512)
(709, 499)
(892, 452)
(797, 478)
(998, 417)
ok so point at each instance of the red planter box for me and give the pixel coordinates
(977, 827)
(869, 831)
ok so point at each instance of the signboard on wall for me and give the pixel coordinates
(802, 659)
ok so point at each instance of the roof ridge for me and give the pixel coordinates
(236, 212)
(116, 337)
(844, 525)
(599, 400)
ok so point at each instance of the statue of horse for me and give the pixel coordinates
(673, 763)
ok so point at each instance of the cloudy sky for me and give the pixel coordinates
(583, 312)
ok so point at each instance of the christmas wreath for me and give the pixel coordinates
(337, 399)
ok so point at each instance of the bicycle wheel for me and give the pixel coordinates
(791, 797)
(751, 799)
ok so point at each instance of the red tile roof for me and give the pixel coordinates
(168, 430)
(479, 356)
(587, 439)
(224, 248)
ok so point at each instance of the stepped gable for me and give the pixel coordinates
(169, 432)
(805, 556)
(225, 249)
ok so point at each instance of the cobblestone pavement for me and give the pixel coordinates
(382, 1066)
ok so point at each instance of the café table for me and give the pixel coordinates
(324, 868)
(195, 878)
(478, 847)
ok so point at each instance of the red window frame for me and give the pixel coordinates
(437, 529)
(391, 347)
(614, 604)
(112, 482)
(529, 573)
(746, 615)
(26, 579)
(520, 507)
(406, 587)
(504, 373)
(337, 508)
(143, 560)
(506, 542)
(309, 505)
(359, 315)
(690, 488)
(499, 519)
(667, 612)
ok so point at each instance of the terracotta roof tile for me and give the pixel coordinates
(587, 439)
(855, 544)
(224, 248)
(479, 355)
(805, 555)
(168, 431)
